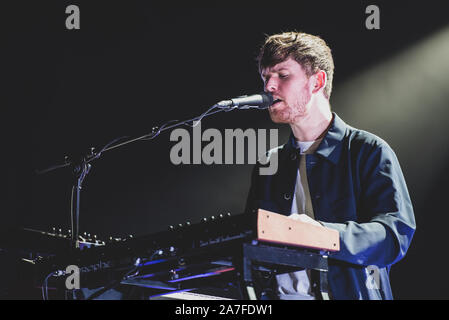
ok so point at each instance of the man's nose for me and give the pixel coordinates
(271, 85)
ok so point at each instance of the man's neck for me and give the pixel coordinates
(313, 125)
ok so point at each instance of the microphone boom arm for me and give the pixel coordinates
(80, 166)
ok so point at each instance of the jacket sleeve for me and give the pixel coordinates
(386, 223)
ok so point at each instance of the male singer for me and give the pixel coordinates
(330, 174)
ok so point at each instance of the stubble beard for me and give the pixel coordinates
(289, 114)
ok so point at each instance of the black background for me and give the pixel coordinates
(136, 64)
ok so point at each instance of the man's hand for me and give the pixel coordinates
(305, 218)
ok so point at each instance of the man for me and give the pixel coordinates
(330, 174)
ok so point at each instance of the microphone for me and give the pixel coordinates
(260, 101)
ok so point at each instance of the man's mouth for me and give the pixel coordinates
(276, 101)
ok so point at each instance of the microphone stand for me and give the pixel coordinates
(80, 166)
(80, 169)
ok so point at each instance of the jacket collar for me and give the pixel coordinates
(330, 146)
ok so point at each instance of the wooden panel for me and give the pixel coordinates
(273, 227)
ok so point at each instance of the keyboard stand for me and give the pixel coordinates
(275, 257)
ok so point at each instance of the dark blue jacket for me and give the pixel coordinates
(356, 187)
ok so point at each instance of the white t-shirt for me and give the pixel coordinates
(296, 285)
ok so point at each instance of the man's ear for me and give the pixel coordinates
(320, 81)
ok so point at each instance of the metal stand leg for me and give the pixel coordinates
(276, 256)
(248, 279)
(319, 284)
